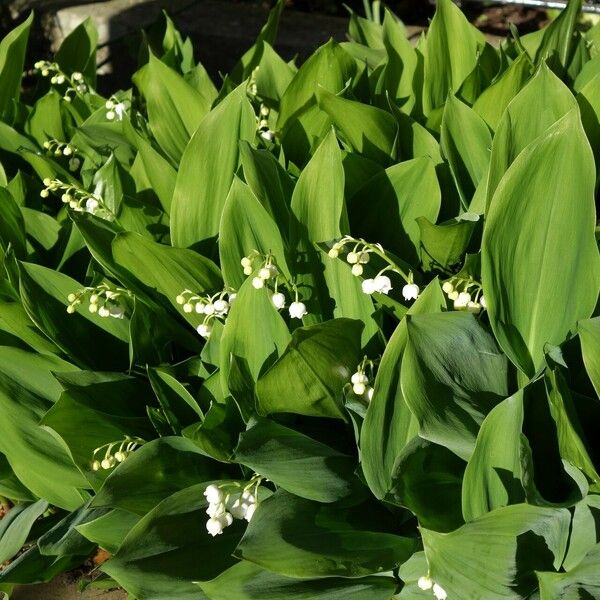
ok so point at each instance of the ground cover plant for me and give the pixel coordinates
(321, 331)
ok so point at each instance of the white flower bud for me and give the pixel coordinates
(46, 145)
(278, 300)
(199, 307)
(103, 311)
(188, 307)
(91, 205)
(74, 164)
(357, 270)
(44, 193)
(209, 309)
(250, 512)
(221, 306)
(214, 494)
(93, 308)
(71, 297)
(364, 258)
(47, 181)
(439, 592)
(453, 295)
(370, 392)
(383, 284)
(77, 76)
(263, 124)
(258, 283)
(66, 198)
(410, 291)
(180, 299)
(54, 79)
(264, 111)
(67, 151)
(297, 310)
(96, 465)
(216, 509)
(474, 307)
(94, 298)
(110, 115)
(447, 287)
(247, 270)
(359, 377)
(120, 456)
(239, 509)
(425, 583)
(232, 296)
(482, 301)
(70, 309)
(246, 262)
(368, 286)
(268, 272)
(359, 389)
(462, 301)
(67, 98)
(60, 79)
(333, 252)
(75, 205)
(204, 329)
(45, 72)
(108, 463)
(109, 105)
(352, 258)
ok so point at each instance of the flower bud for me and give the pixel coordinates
(44, 193)
(462, 301)
(333, 252)
(357, 270)
(103, 311)
(120, 456)
(110, 115)
(96, 465)
(214, 494)
(109, 105)
(91, 205)
(108, 463)
(250, 512)
(67, 151)
(447, 287)
(352, 258)
(247, 270)
(425, 583)
(439, 592)
(77, 76)
(221, 306)
(370, 392)
(60, 79)
(209, 309)
(199, 307)
(74, 164)
(258, 283)
(93, 308)
(70, 309)
(359, 377)
(482, 301)
(214, 526)
(204, 330)
(278, 300)
(474, 307)
(364, 258)
(268, 272)
(188, 307)
(246, 262)
(71, 297)
(359, 389)
(453, 295)
(180, 299)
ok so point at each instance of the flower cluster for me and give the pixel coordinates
(126, 447)
(57, 148)
(75, 83)
(426, 583)
(78, 199)
(230, 501)
(360, 380)
(212, 307)
(267, 273)
(252, 89)
(360, 255)
(103, 300)
(115, 109)
(263, 124)
(465, 293)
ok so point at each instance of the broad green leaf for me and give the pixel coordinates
(273, 76)
(39, 461)
(175, 108)
(45, 122)
(495, 557)
(169, 548)
(299, 538)
(450, 54)
(10, 486)
(205, 175)
(246, 226)
(77, 52)
(109, 530)
(523, 122)
(558, 35)
(44, 295)
(296, 463)
(369, 131)
(493, 477)
(310, 376)
(403, 192)
(389, 425)
(153, 472)
(492, 102)
(589, 336)
(580, 582)
(452, 375)
(16, 525)
(584, 535)
(12, 59)
(33, 567)
(537, 283)
(12, 225)
(466, 142)
(247, 581)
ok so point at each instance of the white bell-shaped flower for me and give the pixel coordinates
(359, 388)
(383, 284)
(258, 283)
(214, 494)
(221, 306)
(462, 301)
(209, 309)
(250, 512)
(278, 300)
(425, 583)
(474, 307)
(204, 330)
(352, 258)
(215, 525)
(297, 310)
(447, 287)
(410, 291)
(368, 286)
(268, 272)
(439, 592)
(359, 377)
(357, 270)
(482, 301)
(216, 510)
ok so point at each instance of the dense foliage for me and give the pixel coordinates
(318, 332)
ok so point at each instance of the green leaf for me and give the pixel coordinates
(45, 122)
(537, 283)
(522, 123)
(403, 193)
(589, 336)
(296, 463)
(370, 131)
(109, 530)
(310, 376)
(12, 225)
(169, 548)
(452, 376)
(77, 53)
(205, 176)
(247, 226)
(175, 108)
(12, 59)
(16, 525)
(466, 142)
(450, 54)
(299, 538)
(502, 550)
(153, 472)
(246, 581)
(389, 425)
(558, 35)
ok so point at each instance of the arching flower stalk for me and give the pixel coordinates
(231, 500)
(109, 460)
(358, 253)
(77, 198)
(75, 83)
(465, 293)
(214, 306)
(56, 148)
(103, 300)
